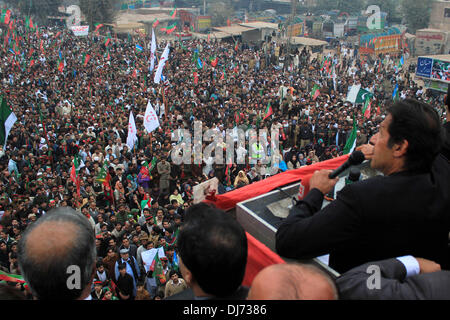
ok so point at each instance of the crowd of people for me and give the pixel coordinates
(72, 97)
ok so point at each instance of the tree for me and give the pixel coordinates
(38, 9)
(350, 6)
(99, 11)
(388, 6)
(416, 13)
(220, 12)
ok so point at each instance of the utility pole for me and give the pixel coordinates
(291, 21)
(204, 7)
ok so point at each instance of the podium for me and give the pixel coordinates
(262, 215)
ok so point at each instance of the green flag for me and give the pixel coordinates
(103, 176)
(351, 140)
(363, 95)
(7, 120)
(158, 272)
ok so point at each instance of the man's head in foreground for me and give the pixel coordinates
(292, 282)
(57, 255)
(212, 251)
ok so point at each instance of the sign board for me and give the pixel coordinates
(149, 255)
(433, 69)
(435, 85)
(203, 189)
(80, 31)
(424, 67)
(204, 22)
(441, 70)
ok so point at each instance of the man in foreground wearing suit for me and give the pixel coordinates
(403, 278)
(406, 211)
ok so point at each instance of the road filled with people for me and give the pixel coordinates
(72, 97)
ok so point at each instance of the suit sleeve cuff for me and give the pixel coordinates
(411, 265)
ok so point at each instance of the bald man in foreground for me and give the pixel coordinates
(57, 256)
(292, 282)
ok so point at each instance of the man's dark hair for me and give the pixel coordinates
(213, 246)
(419, 124)
(47, 273)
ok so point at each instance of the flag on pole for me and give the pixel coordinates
(7, 120)
(173, 13)
(171, 29)
(158, 272)
(29, 23)
(103, 176)
(195, 77)
(86, 58)
(395, 93)
(60, 66)
(268, 111)
(358, 95)
(351, 140)
(107, 41)
(139, 48)
(315, 92)
(74, 173)
(152, 51)
(199, 63)
(132, 136)
(151, 121)
(155, 23)
(214, 61)
(367, 107)
(98, 26)
(8, 277)
(5, 16)
(161, 64)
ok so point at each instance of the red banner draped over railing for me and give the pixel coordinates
(259, 255)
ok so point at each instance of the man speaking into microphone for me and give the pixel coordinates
(404, 212)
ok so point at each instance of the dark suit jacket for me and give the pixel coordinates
(188, 294)
(375, 219)
(394, 285)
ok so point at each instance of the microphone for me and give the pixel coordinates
(357, 157)
(353, 176)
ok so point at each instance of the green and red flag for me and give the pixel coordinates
(107, 41)
(195, 77)
(60, 66)
(98, 26)
(86, 58)
(171, 29)
(74, 174)
(315, 92)
(29, 23)
(5, 16)
(224, 75)
(11, 277)
(214, 61)
(157, 269)
(227, 173)
(367, 107)
(268, 111)
(103, 176)
(155, 23)
(173, 13)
